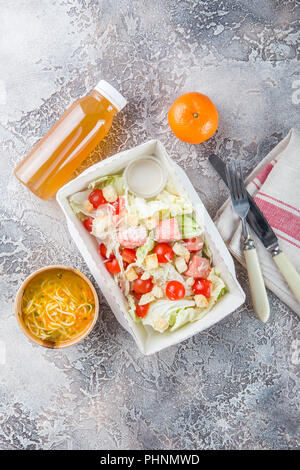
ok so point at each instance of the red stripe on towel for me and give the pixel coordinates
(255, 184)
(263, 175)
(278, 200)
(279, 218)
(287, 240)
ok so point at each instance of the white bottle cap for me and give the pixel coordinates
(111, 94)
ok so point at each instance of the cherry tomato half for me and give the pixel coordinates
(88, 224)
(103, 251)
(141, 286)
(128, 255)
(163, 252)
(96, 198)
(202, 286)
(175, 290)
(137, 296)
(113, 266)
(142, 310)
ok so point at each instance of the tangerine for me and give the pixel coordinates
(193, 117)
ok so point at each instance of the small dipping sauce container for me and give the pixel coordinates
(145, 177)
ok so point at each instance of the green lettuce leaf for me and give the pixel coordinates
(164, 273)
(222, 292)
(117, 181)
(188, 226)
(177, 204)
(77, 201)
(143, 209)
(206, 251)
(131, 309)
(185, 315)
(143, 251)
(163, 313)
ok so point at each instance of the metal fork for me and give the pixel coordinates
(241, 206)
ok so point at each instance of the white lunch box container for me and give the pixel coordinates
(148, 340)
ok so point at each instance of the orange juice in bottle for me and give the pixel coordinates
(57, 155)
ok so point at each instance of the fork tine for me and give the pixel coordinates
(233, 180)
(243, 182)
(239, 177)
(238, 193)
(237, 180)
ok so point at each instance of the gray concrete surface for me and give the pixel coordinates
(235, 386)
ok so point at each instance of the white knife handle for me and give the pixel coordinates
(289, 273)
(257, 286)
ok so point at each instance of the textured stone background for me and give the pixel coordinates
(235, 386)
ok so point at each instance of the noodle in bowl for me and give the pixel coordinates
(56, 306)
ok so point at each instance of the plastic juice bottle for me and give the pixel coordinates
(57, 155)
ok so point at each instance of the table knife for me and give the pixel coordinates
(265, 233)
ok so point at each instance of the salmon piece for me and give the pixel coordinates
(133, 236)
(194, 244)
(167, 231)
(198, 267)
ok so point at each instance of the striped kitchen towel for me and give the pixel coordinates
(275, 186)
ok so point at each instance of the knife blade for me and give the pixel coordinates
(264, 232)
(255, 217)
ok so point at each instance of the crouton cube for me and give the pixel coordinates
(157, 292)
(151, 261)
(131, 274)
(151, 222)
(87, 206)
(178, 249)
(110, 193)
(100, 224)
(180, 264)
(181, 250)
(131, 219)
(201, 301)
(161, 324)
(146, 298)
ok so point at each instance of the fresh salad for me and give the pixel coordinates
(154, 249)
